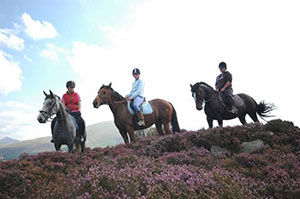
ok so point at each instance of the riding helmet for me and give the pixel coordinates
(70, 84)
(222, 65)
(136, 71)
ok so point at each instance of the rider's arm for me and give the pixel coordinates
(228, 84)
(79, 102)
(79, 106)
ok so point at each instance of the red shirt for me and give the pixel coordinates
(71, 101)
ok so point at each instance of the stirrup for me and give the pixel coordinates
(82, 139)
(141, 123)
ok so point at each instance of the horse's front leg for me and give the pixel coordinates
(57, 147)
(123, 133)
(130, 131)
(210, 122)
(220, 122)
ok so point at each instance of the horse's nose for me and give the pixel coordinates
(40, 120)
(95, 103)
(199, 107)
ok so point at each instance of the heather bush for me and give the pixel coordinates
(172, 166)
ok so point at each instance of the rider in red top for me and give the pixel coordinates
(72, 101)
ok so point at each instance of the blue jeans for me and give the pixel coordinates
(137, 101)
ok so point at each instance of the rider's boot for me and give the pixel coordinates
(141, 118)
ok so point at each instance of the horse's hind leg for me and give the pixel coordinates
(158, 126)
(77, 147)
(253, 116)
(82, 146)
(242, 119)
(71, 148)
(167, 127)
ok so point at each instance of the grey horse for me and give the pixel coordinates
(64, 131)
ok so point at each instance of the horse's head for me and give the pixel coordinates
(198, 93)
(50, 107)
(104, 96)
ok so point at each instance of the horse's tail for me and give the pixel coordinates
(174, 121)
(263, 109)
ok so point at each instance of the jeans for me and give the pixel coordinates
(137, 101)
(228, 97)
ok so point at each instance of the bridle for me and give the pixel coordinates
(107, 96)
(204, 101)
(48, 114)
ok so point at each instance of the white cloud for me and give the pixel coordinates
(49, 54)
(176, 43)
(17, 105)
(10, 40)
(38, 30)
(27, 58)
(52, 52)
(10, 76)
(22, 124)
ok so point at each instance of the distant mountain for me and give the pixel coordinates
(98, 135)
(8, 140)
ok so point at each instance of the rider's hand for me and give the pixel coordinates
(222, 89)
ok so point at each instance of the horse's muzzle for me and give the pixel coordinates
(40, 119)
(96, 104)
(199, 107)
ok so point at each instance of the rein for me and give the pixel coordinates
(207, 101)
(108, 103)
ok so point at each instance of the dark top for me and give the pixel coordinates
(222, 79)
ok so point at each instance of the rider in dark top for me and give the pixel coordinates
(224, 85)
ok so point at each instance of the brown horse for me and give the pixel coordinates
(163, 113)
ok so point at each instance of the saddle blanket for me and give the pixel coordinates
(75, 123)
(145, 107)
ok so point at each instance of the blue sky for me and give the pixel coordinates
(175, 43)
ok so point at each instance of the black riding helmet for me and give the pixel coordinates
(70, 84)
(136, 71)
(222, 65)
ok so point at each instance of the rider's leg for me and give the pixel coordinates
(228, 95)
(80, 122)
(137, 101)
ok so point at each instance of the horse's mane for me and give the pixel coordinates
(115, 94)
(195, 86)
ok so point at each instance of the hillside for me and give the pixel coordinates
(98, 135)
(252, 161)
(7, 140)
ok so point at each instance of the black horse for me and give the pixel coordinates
(215, 108)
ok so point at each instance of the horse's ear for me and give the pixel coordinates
(51, 94)
(191, 85)
(45, 93)
(109, 85)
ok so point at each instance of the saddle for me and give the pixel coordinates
(145, 108)
(238, 102)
